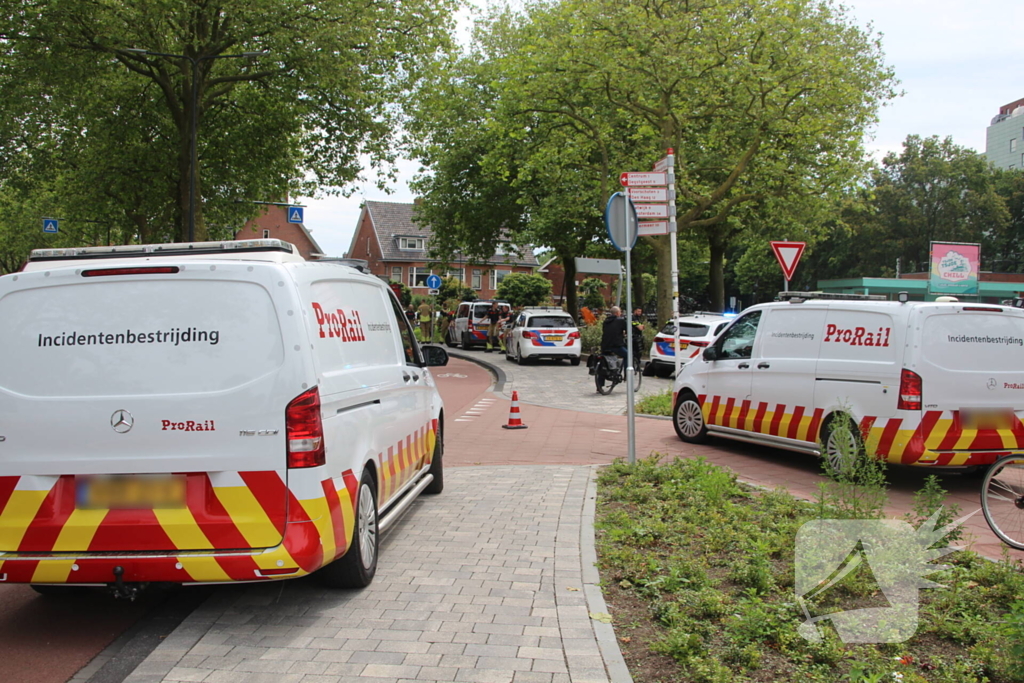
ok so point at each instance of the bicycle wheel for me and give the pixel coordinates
(1002, 500)
(638, 375)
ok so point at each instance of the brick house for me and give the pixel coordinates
(554, 272)
(273, 223)
(395, 248)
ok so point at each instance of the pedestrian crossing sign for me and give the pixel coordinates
(50, 225)
(295, 214)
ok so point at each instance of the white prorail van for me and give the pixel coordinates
(208, 412)
(935, 384)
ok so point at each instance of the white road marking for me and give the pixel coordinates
(613, 431)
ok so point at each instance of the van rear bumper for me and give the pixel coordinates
(300, 554)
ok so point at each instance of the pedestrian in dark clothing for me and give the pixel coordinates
(493, 316)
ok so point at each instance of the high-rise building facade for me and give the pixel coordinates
(1004, 138)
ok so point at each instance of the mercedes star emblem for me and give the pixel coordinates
(122, 421)
(992, 384)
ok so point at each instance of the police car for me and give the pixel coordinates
(543, 333)
(696, 332)
(470, 326)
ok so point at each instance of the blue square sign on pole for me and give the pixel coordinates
(295, 214)
(50, 225)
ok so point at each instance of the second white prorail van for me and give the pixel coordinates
(935, 384)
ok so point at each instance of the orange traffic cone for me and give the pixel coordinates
(513, 414)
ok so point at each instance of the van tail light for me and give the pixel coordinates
(529, 335)
(305, 431)
(469, 324)
(575, 334)
(910, 391)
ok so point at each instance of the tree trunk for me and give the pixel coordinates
(569, 280)
(663, 255)
(717, 274)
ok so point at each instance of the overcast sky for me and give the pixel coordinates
(957, 62)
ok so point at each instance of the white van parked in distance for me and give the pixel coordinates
(936, 384)
(206, 412)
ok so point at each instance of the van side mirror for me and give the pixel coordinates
(710, 353)
(434, 356)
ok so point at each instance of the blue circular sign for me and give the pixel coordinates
(434, 282)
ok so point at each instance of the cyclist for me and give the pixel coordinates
(637, 324)
(613, 334)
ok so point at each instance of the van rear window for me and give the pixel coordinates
(988, 342)
(125, 337)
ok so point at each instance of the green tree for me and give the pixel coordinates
(323, 95)
(592, 289)
(525, 289)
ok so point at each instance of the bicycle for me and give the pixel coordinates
(609, 370)
(1002, 499)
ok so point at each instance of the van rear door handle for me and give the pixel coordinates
(743, 366)
(415, 377)
(763, 366)
(406, 377)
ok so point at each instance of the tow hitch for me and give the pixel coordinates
(120, 589)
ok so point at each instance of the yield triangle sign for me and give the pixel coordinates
(788, 254)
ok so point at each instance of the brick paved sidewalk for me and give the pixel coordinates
(483, 583)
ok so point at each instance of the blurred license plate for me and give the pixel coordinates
(131, 491)
(684, 345)
(987, 419)
(552, 337)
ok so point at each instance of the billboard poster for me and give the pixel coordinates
(955, 268)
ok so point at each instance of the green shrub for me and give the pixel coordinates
(655, 404)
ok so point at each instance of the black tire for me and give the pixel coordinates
(837, 446)
(357, 567)
(664, 373)
(448, 339)
(650, 370)
(465, 341)
(575, 361)
(1002, 500)
(638, 378)
(436, 464)
(519, 356)
(688, 420)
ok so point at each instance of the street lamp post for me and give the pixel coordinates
(194, 124)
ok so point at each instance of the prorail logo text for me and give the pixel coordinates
(858, 336)
(345, 326)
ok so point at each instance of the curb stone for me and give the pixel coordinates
(618, 672)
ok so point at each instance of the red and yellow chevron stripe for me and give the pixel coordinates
(937, 438)
(234, 526)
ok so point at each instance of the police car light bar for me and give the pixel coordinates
(800, 297)
(172, 249)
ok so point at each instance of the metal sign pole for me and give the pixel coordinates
(670, 159)
(630, 407)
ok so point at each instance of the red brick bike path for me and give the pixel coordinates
(475, 415)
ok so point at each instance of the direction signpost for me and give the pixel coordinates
(657, 191)
(621, 220)
(788, 255)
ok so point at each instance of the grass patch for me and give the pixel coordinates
(656, 404)
(698, 573)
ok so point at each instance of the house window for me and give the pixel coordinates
(456, 273)
(497, 276)
(1013, 145)
(396, 273)
(266, 234)
(411, 243)
(477, 279)
(418, 277)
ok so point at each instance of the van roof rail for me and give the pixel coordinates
(172, 249)
(362, 265)
(800, 297)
